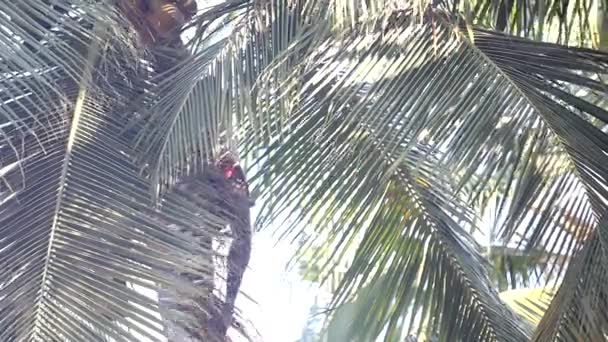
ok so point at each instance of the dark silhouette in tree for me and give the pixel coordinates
(223, 186)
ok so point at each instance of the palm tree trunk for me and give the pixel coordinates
(185, 315)
(204, 316)
(168, 301)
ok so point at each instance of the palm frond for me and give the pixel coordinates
(401, 86)
(252, 52)
(79, 234)
(39, 37)
(200, 105)
(236, 75)
(531, 303)
(555, 20)
(578, 310)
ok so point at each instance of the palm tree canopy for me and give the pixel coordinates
(386, 132)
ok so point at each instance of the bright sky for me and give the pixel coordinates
(283, 299)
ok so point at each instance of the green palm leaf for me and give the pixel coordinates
(202, 103)
(392, 90)
(531, 303)
(79, 232)
(556, 20)
(578, 310)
